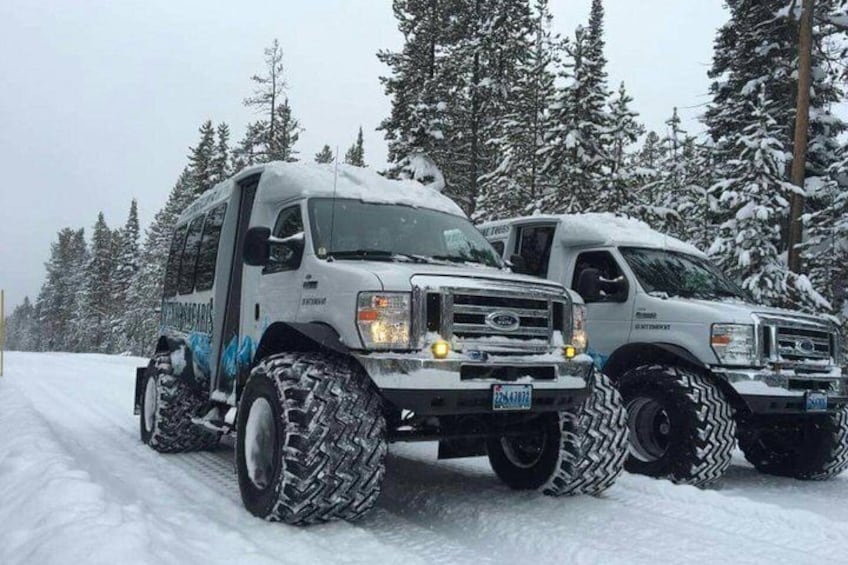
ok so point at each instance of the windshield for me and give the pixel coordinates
(361, 230)
(679, 274)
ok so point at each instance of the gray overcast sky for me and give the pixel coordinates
(100, 100)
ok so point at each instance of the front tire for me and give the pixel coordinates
(681, 426)
(167, 406)
(544, 458)
(808, 447)
(311, 440)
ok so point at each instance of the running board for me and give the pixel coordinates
(213, 422)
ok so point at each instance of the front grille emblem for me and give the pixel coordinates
(804, 346)
(503, 320)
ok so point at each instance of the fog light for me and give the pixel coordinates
(440, 349)
(569, 351)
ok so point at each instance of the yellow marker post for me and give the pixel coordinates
(2, 330)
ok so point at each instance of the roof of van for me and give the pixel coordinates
(283, 181)
(602, 228)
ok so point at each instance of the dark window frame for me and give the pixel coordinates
(208, 282)
(609, 299)
(186, 279)
(272, 267)
(519, 248)
(172, 268)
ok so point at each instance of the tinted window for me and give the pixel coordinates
(499, 246)
(189, 257)
(598, 278)
(208, 254)
(286, 255)
(534, 246)
(172, 272)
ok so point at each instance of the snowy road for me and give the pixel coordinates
(77, 487)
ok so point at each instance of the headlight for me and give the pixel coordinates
(383, 319)
(579, 337)
(734, 344)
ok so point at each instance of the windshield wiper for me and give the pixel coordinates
(376, 255)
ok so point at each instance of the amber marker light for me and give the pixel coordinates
(440, 349)
(569, 351)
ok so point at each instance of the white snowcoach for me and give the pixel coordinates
(319, 313)
(697, 362)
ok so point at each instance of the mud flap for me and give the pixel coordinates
(140, 372)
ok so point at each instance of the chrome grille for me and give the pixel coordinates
(478, 320)
(798, 341)
(799, 345)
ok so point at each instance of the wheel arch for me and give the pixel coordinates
(281, 337)
(635, 355)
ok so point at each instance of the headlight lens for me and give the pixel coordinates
(383, 319)
(734, 344)
(579, 336)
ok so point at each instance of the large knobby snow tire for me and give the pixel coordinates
(807, 447)
(168, 404)
(681, 427)
(311, 440)
(602, 427)
(545, 458)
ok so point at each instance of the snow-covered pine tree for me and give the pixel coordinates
(517, 186)
(126, 267)
(221, 158)
(623, 131)
(56, 301)
(578, 159)
(145, 292)
(273, 137)
(201, 159)
(20, 327)
(417, 83)
(756, 198)
(92, 320)
(355, 154)
(325, 155)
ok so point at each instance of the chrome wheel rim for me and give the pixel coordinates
(151, 400)
(260, 435)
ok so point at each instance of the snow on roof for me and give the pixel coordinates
(608, 229)
(282, 181)
(285, 180)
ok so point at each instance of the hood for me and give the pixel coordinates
(403, 276)
(730, 311)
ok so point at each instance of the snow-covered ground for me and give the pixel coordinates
(77, 487)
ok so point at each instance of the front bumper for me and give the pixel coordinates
(782, 390)
(460, 385)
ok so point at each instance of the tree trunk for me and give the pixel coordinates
(802, 120)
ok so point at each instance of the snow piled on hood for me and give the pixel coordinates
(281, 181)
(608, 229)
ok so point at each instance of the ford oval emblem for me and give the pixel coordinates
(805, 346)
(503, 321)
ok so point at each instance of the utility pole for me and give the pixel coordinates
(802, 122)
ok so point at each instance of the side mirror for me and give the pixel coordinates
(519, 265)
(257, 251)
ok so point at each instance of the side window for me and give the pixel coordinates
(188, 262)
(499, 246)
(172, 271)
(534, 247)
(287, 252)
(598, 278)
(208, 255)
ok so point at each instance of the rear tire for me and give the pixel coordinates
(603, 431)
(681, 426)
(809, 447)
(311, 440)
(545, 458)
(167, 406)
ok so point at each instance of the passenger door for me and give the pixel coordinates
(609, 296)
(533, 245)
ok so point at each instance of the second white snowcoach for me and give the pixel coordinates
(319, 313)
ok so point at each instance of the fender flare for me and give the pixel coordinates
(299, 336)
(634, 354)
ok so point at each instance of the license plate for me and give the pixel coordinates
(816, 402)
(512, 397)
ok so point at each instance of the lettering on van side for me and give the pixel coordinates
(187, 316)
(654, 327)
(313, 301)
